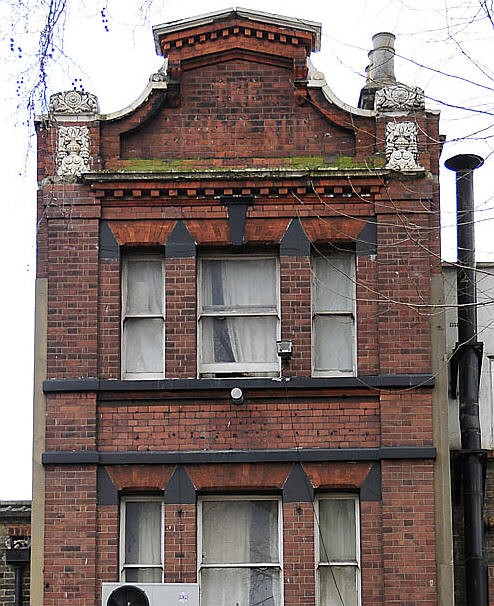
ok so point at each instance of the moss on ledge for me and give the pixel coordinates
(157, 165)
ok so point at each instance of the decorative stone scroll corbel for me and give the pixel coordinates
(72, 151)
(401, 146)
(160, 75)
(73, 102)
(399, 98)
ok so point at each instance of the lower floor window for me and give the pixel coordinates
(240, 547)
(338, 564)
(141, 545)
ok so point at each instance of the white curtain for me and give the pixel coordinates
(338, 586)
(240, 532)
(333, 282)
(245, 291)
(333, 302)
(337, 526)
(143, 540)
(251, 284)
(240, 587)
(143, 338)
(333, 343)
(143, 335)
(338, 543)
(144, 287)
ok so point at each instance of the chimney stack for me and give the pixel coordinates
(381, 69)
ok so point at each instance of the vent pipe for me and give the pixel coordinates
(468, 359)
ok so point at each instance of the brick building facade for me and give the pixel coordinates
(236, 376)
(15, 542)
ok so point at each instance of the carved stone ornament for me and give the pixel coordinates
(401, 146)
(399, 97)
(72, 151)
(160, 75)
(74, 102)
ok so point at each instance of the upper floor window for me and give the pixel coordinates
(141, 540)
(143, 319)
(238, 316)
(333, 314)
(338, 554)
(240, 551)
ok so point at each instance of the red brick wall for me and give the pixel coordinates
(408, 533)
(107, 544)
(262, 423)
(405, 417)
(180, 544)
(403, 292)
(70, 536)
(296, 316)
(181, 318)
(71, 421)
(298, 553)
(371, 542)
(109, 322)
(72, 296)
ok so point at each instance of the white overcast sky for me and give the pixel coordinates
(433, 44)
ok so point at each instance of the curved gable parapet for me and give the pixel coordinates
(234, 92)
(152, 89)
(237, 89)
(317, 80)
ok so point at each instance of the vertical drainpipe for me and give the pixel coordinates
(469, 356)
(18, 584)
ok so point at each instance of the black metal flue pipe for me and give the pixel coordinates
(469, 367)
(18, 584)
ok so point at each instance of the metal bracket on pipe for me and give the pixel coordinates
(478, 348)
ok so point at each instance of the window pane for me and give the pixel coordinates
(239, 283)
(337, 527)
(333, 282)
(143, 532)
(239, 532)
(239, 339)
(143, 575)
(333, 343)
(143, 345)
(144, 287)
(338, 586)
(240, 587)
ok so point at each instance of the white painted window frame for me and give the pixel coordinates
(123, 567)
(129, 376)
(343, 313)
(222, 498)
(317, 544)
(242, 368)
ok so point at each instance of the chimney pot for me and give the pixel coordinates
(382, 58)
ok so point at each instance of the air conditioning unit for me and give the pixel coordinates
(150, 594)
